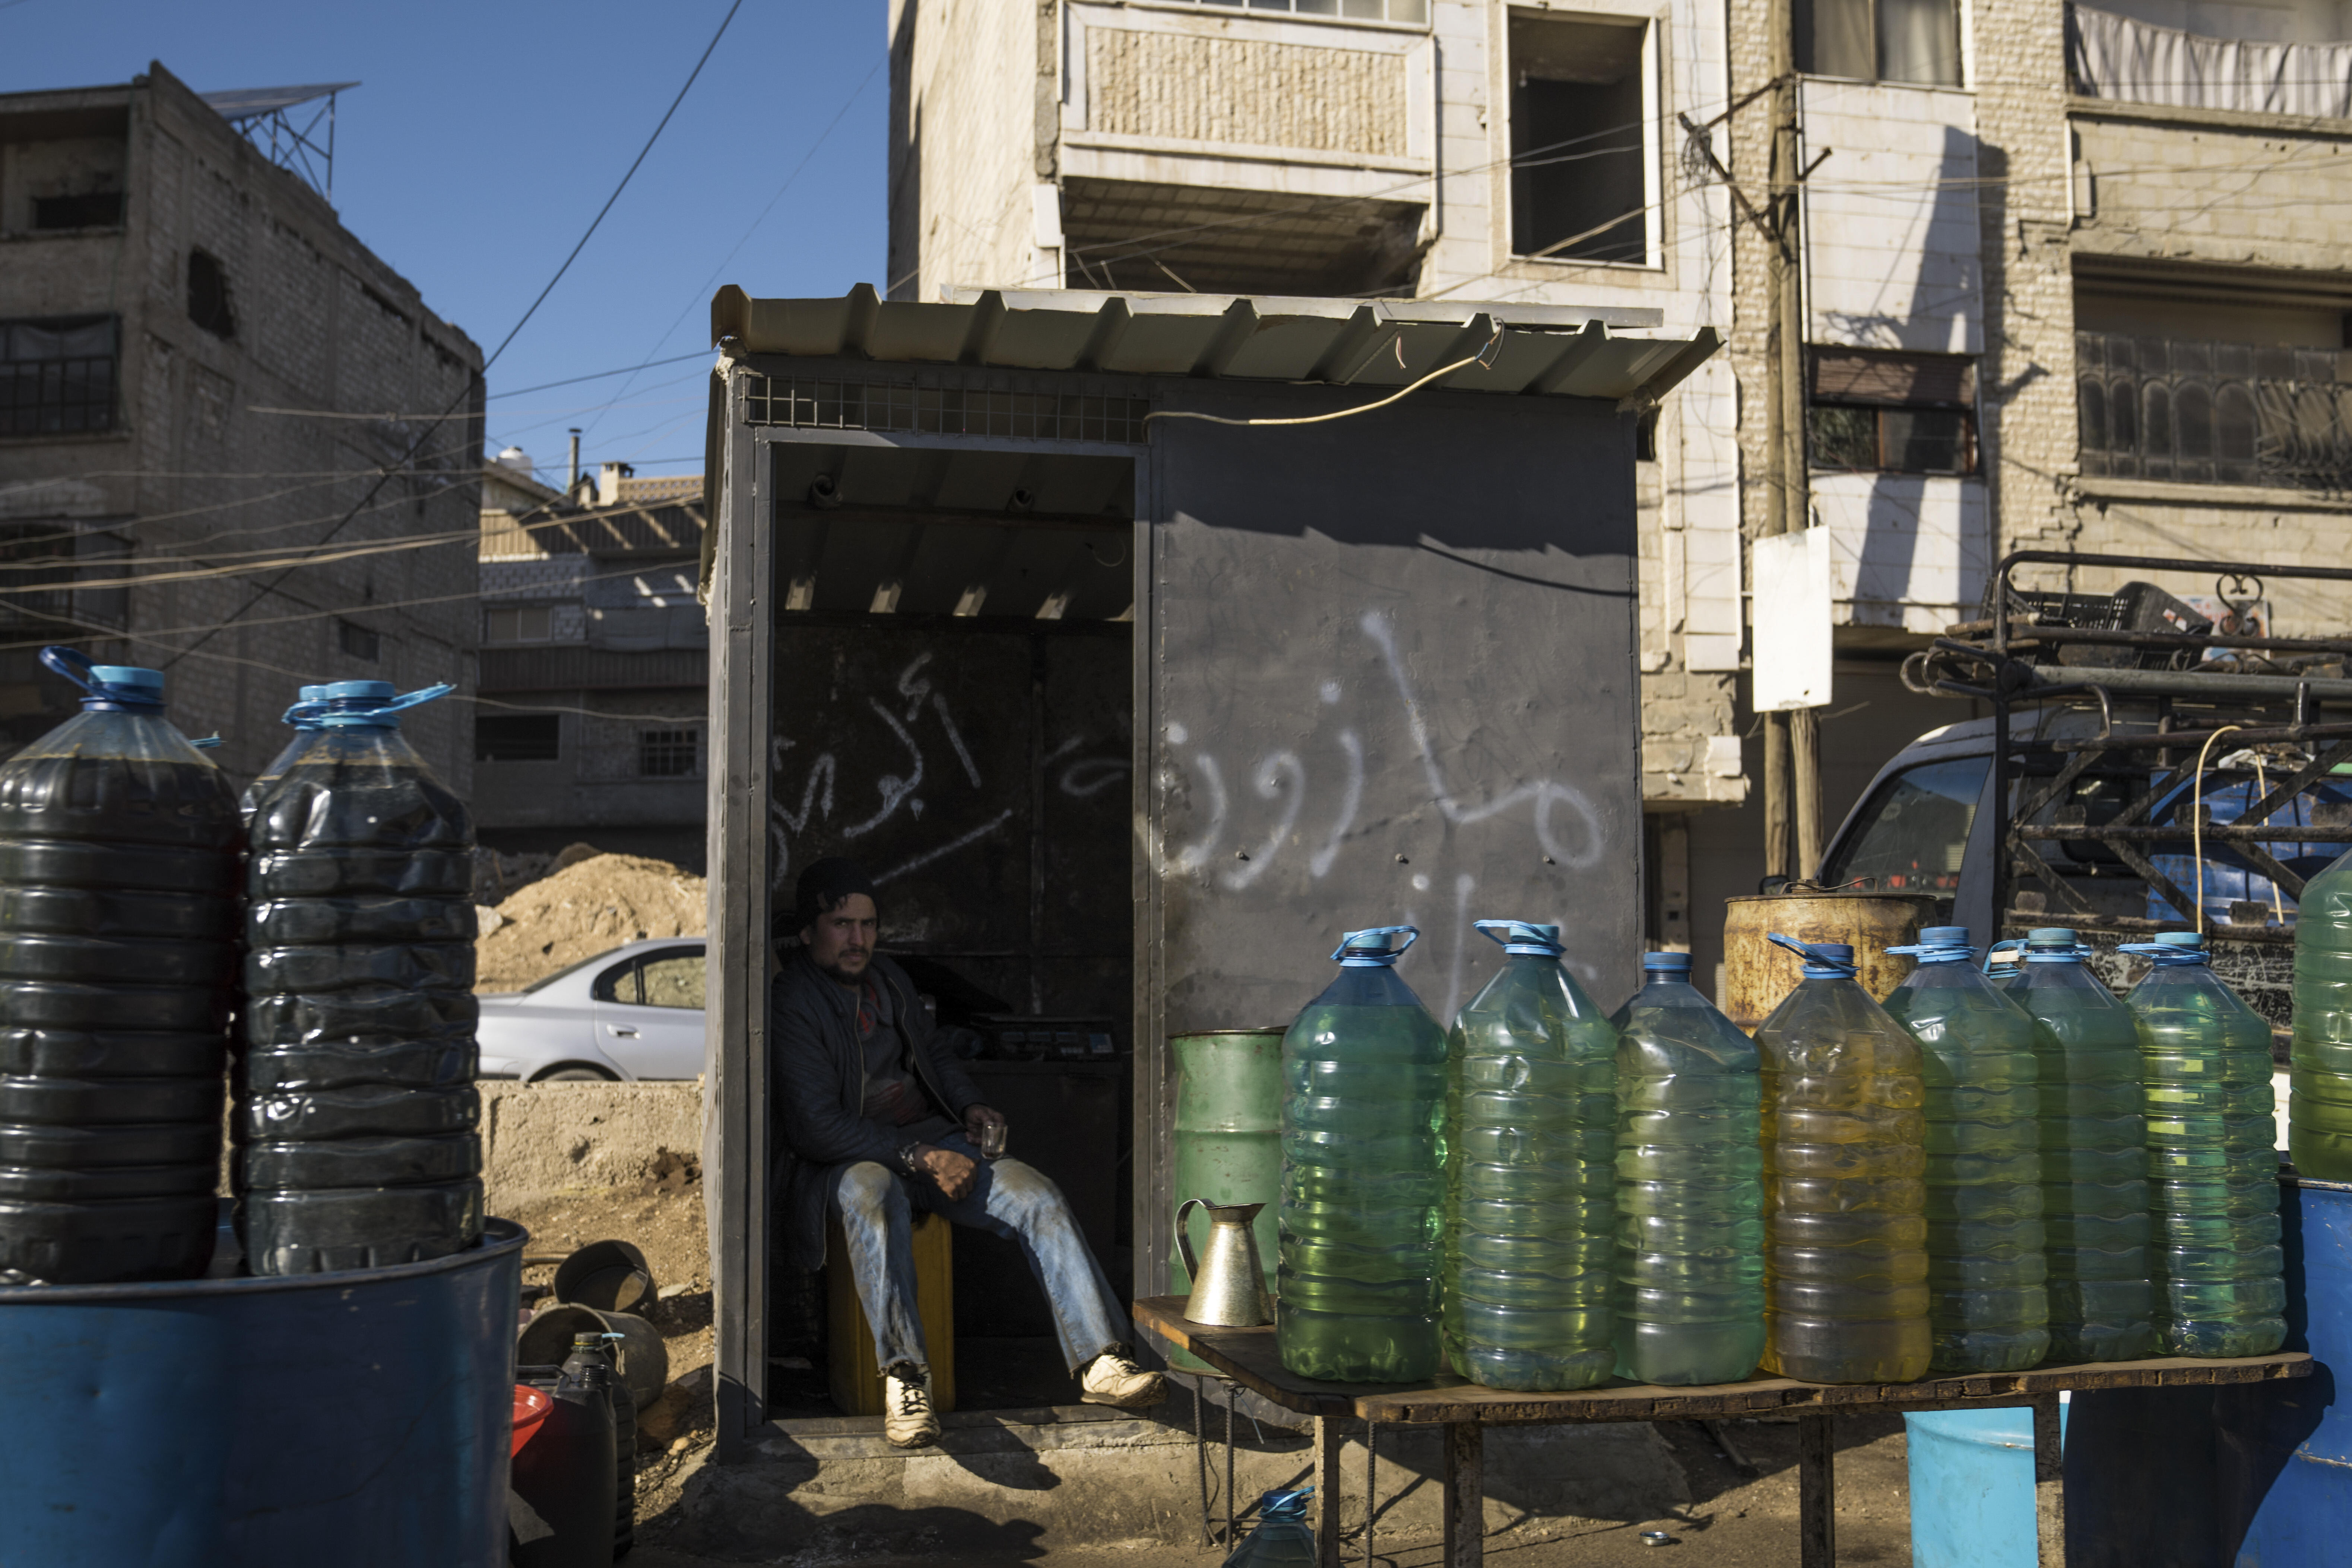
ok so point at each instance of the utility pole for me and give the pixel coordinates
(1793, 773)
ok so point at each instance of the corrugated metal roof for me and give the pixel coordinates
(1545, 349)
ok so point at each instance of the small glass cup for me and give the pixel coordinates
(992, 1140)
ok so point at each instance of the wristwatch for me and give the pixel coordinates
(910, 1159)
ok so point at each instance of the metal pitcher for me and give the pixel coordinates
(1228, 1285)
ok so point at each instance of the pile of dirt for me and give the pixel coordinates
(590, 906)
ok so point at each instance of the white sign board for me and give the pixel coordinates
(1791, 577)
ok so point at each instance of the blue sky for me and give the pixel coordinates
(484, 136)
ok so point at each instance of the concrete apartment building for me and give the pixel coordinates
(202, 372)
(2073, 280)
(593, 724)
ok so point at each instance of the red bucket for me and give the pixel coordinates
(530, 1408)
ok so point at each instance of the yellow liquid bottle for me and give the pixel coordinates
(1846, 1223)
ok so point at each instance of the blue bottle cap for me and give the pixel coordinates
(130, 675)
(2052, 936)
(1666, 962)
(2181, 939)
(1943, 936)
(345, 690)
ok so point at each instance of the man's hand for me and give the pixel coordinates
(954, 1172)
(976, 1118)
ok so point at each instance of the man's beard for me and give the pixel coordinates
(842, 976)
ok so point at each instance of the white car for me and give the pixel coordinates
(632, 1013)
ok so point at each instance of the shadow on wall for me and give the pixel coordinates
(1910, 545)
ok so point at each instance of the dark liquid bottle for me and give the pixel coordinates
(356, 1111)
(118, 926)
(566, 1473)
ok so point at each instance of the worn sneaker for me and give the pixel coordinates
(1114, 1378)
(908, 1419)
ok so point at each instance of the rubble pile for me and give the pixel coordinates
(591, 905)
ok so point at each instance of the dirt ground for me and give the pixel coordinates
(1739, 1518)
(589, 906)
(1744, 1488)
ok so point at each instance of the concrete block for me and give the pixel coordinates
(542, 1139)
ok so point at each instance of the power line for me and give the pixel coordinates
(475, 381)
(703, 294)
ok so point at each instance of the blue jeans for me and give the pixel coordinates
(876, 1206)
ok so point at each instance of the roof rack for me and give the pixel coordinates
(2076, 810)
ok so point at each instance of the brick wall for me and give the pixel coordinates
(197, 473)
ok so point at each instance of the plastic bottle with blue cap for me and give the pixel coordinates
(1283, 1538)
(2213, 1159)
(2319, 1098)
(1690, 1194)
(119, 848)
(1363, 1176)
(303, 717)
(356, 1116)
(1530, 1143)
(1988, 1300)
(1845, 1227)
(2094, 1212)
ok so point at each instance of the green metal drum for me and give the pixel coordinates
(1228, 1138)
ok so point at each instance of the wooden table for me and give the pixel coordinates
(1465, 1410)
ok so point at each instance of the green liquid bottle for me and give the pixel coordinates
(2094, 1211)
(1845, 1227)
(2319, 1099)
(1690, 1189)
(1531, 1166)
(2212, 1160)
(1364, 1175)
(1988, 1307)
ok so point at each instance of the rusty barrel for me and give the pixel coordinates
(1757, 976)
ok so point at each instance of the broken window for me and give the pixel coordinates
(358, 642)
(57, 375)
(1892, 412)
(1915, 42)
(208, 301)
(1580, 165)
(517, 737)
(89, 209)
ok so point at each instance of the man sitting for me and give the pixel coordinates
(873, 1122)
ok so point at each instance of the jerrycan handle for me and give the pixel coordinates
(79, 668)
(334, 712)
(1523, 937)
(1185, 1238)
(1363, 952)
(2006, 944)
(1821, 962)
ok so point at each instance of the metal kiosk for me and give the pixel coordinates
(1141, 645)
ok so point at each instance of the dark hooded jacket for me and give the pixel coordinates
(816, 1091)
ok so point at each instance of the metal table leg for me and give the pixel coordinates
(1465, 1494)
(1817, 1490)
(2049, 1484)
(1329, 1443)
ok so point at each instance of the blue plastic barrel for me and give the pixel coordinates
(2245, 1476)
(1973, 1487)
(356, 1417)
(2296, 1437)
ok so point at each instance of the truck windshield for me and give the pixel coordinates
(1914, 831)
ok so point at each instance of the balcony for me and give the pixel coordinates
(2292, 66)
(2208, 412)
